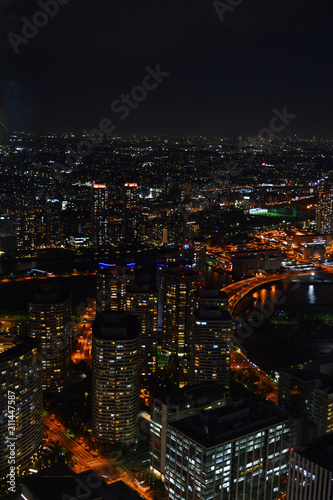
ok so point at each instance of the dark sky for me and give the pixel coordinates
(225, 77)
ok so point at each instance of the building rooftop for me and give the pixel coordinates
(21, 347)
(115, 325)
(236, 419)
(212, 313)
(50, 294)
(142, 288)
(324, 382)
(214, 293)
(319, 451)
(198, 394)
(59, 481)
(181, 272)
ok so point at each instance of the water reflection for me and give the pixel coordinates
(311, 294)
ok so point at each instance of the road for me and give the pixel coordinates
(239, 362)
(84, 333)
(56, 432)
(238, 290)
(108, 468)
(262, 382)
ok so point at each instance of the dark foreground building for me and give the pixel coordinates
(59, 482)
(310, 475)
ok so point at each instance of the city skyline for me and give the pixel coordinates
(166, 250)
(224, 68)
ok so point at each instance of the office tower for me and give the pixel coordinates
(179, 289)
(200, 260)
(211, 345)
(141, 300)
(160, 267)
(25, 231)
(310, 474)
(212, 297)
(53, 223)
(21, 382)
(324, 212)
(296, 390)
(169, 407)
(131, 214)
(310, 395)
(194, 254)
(237, 452)
(112, 280)
(99, 216)
(61, 482)
(131, 195)
(115, 376)
(50, 315)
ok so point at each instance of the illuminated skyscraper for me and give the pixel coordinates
(132, 214)
(211, 344)
(21, 399)
(131, 195)
(237, 452)
(212, 297)
(195, 255)
(50, 315)
(99, 216)
(141, 300)
(179, 290)
(115, 377)
(25, 231)
(310, 475)
(324, 213)
(169, 407)
(112, 280)
(308, 394)
(53, 224)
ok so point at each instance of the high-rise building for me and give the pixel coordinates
(237, 452)
(212, 297)
(115, 376)
(141, 300)
(180, 286)
(112, 280)
(169, 407)
(50, 315)
(25, 231)
(211, 345)
(131, 214)
(310, 474)
(324, 212)
(53, 223)
(310, 395)
(21, 401)
(61, 482)
(161, 266)
(99, 216)
(195, 255)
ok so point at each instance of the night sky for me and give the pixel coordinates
(225, 77)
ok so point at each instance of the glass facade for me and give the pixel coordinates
(21, 373)
(251, 466)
